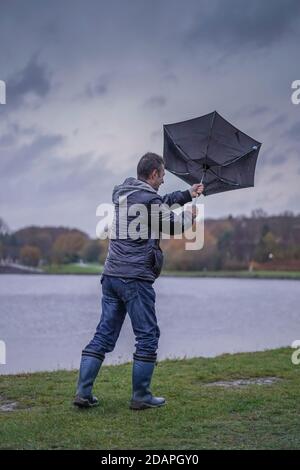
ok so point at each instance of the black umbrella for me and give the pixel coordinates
(209, 149)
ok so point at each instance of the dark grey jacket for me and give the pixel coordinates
(140, 258)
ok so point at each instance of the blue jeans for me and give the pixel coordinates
(120, 296)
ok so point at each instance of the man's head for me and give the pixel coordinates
(151, 170)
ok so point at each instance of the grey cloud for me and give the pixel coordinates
(294, 132)
(272, 156)
(59, 190)
(11, 136)
(276, 177)
(252, 111)
(237, 24)
(82, 176)
(258, 110)
(155, 135)
(19, 130)
(278, 159)
(146, 49)
(170, 77)
(6, 140)
(277, 121)
(98, 88)
(23, 159)
(34, 79)
(157, 101)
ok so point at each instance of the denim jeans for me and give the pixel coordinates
(120, 296)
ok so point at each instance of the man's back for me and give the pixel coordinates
(140, 256)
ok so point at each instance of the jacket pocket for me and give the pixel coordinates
(158, 260)
(154, 258)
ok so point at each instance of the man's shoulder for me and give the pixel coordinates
(145, 197)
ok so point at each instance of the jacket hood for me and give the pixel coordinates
(129, 186)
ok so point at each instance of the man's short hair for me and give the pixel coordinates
(148, 163)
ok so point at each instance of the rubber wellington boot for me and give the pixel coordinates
(142, 398)
(88, 371)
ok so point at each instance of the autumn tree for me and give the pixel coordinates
(91, 251)
(67, 247)
(30, 255)
(266, 246)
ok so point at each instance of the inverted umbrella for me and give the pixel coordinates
(211, 150)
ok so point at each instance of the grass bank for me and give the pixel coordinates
(197, 416)
(73, 268)
(94, 268)
(237, 274)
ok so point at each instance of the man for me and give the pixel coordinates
(131, 267)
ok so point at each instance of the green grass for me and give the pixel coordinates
(73, 268)
(237, 274)
(94, 268)
(195, 417)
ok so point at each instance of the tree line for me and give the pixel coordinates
(36, 245)
(231, 243)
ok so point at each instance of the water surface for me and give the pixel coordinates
(45, 321)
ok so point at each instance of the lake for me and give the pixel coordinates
(45, 321)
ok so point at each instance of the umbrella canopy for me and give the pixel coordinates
(211, 150)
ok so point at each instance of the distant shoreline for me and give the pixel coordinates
(96, 270)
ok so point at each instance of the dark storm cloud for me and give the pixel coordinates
(258, 110)
(98, 88)
(252, 111)
(13, 132)
(23, 159)
(170, 77)
(155, 135)
(79, 171)
(277, 121)
(237, 24)
(273, 156)
(278, 159)
(6, 140)
(34, 79)
(155, 102)
(276, 177)
(294, 131)
(125, 52)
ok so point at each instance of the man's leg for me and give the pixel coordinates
(141, 310)
(104, 340)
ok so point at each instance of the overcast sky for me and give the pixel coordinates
(90, 84)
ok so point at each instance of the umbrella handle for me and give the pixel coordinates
(197, 197)
(202, 178)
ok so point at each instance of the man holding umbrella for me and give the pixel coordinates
(131, 267)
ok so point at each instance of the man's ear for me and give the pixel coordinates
(154, 173)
